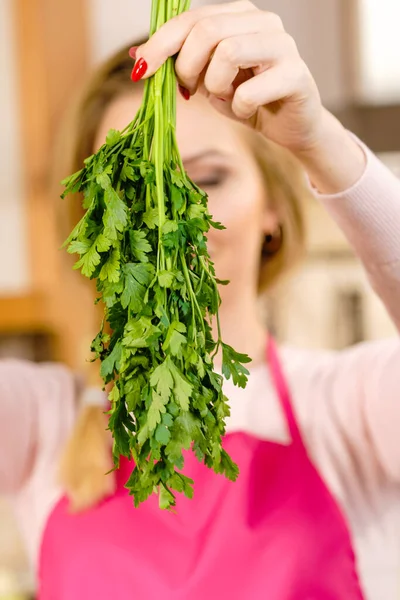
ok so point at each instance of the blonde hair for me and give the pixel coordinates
(87, 456)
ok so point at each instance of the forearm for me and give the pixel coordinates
(37, 408)
(336, 161)
(368, 212)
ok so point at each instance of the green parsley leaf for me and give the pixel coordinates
(139, 245)
(79, 247)
(111, 291)
(165, 279)
(166, 498)
(157, 407)
(117, 422)
(115, 216)
(162, 380)
(182, 388)
(110, 271)
(133, 390)
(232, 367)
(113, 137)
(111, 362)
(89, 261)
(138, 277)
(150, 218)
(176, 178)
(137, 333)
(196, 211)
(104, 181)
(71, 181)
(103, 244)
(162, 435)
(175, 338)
(169, 227)
(217, 225)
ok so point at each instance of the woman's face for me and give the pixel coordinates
(216, 157)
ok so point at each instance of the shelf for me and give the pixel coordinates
(24, 314)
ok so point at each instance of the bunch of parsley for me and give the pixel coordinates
(143, 239)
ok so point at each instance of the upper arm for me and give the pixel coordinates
(369, 215)
(36, 405)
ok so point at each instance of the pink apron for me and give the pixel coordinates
(275, 534)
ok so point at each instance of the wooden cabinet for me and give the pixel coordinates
(43, 60)
(45, 48)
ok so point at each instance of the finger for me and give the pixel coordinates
(209, 32)
(223, 107)
(278, 83)
(256, 52)
(132, 52)
(169, 39)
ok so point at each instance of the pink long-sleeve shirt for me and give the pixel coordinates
(348, 405)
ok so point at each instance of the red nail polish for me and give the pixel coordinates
(184, 92)
(139, 70)
(132, 52)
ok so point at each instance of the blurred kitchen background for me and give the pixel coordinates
(46, 50)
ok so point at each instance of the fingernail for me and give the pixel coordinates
(132, 52)
(184, 92)
(139, 70)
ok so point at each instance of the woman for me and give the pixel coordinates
(315, 433)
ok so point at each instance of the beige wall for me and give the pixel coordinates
(379, 64)
(316, 25)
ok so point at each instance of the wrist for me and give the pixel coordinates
(335, 161)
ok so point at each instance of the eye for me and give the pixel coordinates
(212, 181)
(208, 183)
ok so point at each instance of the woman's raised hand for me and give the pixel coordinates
(247, 64)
